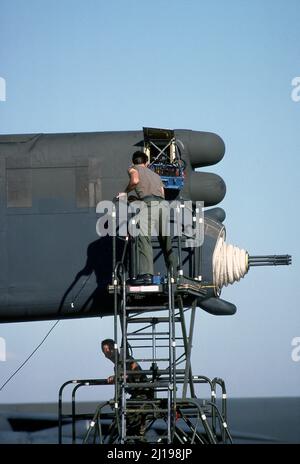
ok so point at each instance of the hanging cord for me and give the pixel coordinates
(30, 356)
(44, 339)
(79, 291)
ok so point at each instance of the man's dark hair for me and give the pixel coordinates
(139, 157)
(109, 342)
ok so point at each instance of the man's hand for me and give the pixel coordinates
(111, 379)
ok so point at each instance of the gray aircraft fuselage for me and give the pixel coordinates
(50, 185)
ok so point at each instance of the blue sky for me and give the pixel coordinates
(220, 66)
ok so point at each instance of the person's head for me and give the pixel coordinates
(139, 157)
(108, 348)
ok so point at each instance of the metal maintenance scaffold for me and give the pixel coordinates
(153, 321)
(156, 323)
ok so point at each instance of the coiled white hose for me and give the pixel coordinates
(230, 263)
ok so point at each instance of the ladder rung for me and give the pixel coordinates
(177, 371)
(151, 385)
(157, 404)
(157, 372)
(135, 437)
(150, 336)
(148, 360)
(146, 336)
(150, 410)
(147, 308)
(152, 320)
(157, 346)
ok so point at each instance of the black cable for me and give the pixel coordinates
(46, 336)
(30, 356)
(80, 290)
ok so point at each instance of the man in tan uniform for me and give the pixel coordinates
(153, 214)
